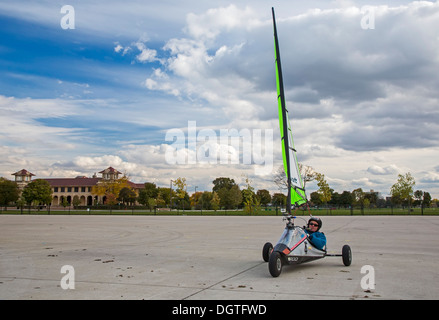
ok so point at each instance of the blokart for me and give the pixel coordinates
(295, 247)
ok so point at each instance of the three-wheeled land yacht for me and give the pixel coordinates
(294, 247)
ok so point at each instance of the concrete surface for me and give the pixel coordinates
(197, 258)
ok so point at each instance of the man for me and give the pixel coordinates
(318, 239)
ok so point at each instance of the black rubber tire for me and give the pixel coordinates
(275, 264)
(266, 251)
(346, 254)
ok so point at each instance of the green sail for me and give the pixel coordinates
(296, 192)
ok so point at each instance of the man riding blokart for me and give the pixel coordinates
(299, 245)
(318, 239)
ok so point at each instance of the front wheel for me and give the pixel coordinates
(275, 264)
(346, 254)
(266, 251)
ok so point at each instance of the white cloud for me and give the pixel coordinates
(377, 170)
(145, 55)
(118, 48)
(19, 125)
(210, 24)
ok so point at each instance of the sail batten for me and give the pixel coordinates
(296, 191)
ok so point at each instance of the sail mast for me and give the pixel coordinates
(296, 193)
(282, 113)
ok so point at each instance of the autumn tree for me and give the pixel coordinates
(196, 200)
(215, 201)
(206, 200)
(110, 188)
(181, 193)
(324, 191)
(403, 189)
(251, 202)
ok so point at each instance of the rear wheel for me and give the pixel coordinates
(266, 251)
(346, 254)
(275, 264)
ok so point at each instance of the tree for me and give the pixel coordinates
(423, 199)
(279, 200)
(358, 197)
(206, 199)
(372, 197)
(64, 202)
(403, 188)
(251, 202)
(149, 191)
(76, 202)
(127, 196)
(215, 202)
(181, 193)
(38, 192)
(9, 192)
(230, 198)
(264, 197)
(181, 185)
(195, 199)
(418, 196)
(113, 187)
(228, 192)
(324, 190)
(346, 199)
(280, 178)
(335, 199)
(220, 183)
(307, 173)
(427, 199)
(165, 195)
(110, 199)
(152, 203)
(314, 198)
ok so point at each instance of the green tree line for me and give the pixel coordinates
(225, 194)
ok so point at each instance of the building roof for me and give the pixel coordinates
(73, 182)
(110, 170)
(136, 185)
(23, 172)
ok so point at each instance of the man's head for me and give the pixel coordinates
(314, 224)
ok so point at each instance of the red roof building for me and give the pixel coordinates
(76, 190)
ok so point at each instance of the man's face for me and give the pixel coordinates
(313, 226)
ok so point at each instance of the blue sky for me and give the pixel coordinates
(364, 101)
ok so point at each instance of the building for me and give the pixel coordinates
(75, 190)
(22, 178)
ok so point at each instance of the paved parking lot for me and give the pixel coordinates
(197, 258)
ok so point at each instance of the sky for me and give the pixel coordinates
(168, 89)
